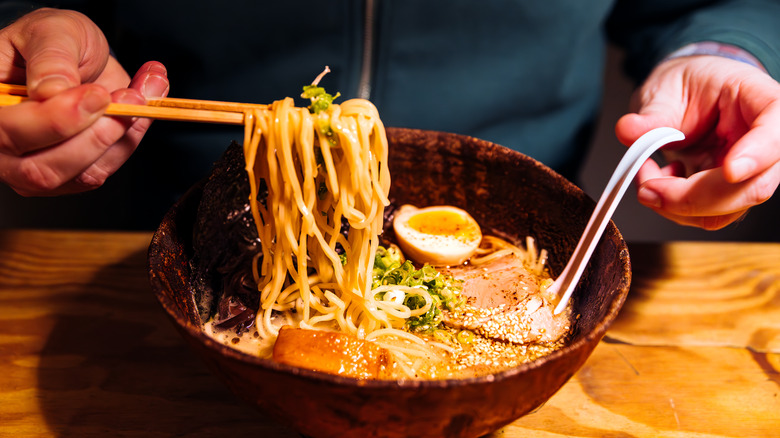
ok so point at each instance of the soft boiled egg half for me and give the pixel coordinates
(439, 235)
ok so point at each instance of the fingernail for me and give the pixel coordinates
(649, 198)
(157, 67)
(741, 168)
(93, 101)
(154, 85)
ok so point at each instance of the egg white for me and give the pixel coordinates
(435, 249)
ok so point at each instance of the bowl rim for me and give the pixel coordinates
(236, 355)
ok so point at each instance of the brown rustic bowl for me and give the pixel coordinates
(505, 191)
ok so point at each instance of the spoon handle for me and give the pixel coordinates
(629, 165)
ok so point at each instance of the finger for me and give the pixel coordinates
(650, 169)
(33, 125)
(631, 126)
(53, 170)
(707, 193)
(61, 50)
(658, 111)
(150, 81)
(117, 153)
(757, 150)
(704, 222)
(668, 99)
(46, 172)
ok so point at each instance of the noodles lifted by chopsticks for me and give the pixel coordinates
(318, 169)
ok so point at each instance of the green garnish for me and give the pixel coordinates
(320, 99)
(444, 290)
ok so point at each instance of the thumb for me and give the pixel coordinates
(61, 49)
(654, 114)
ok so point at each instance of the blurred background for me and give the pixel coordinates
(637, 223)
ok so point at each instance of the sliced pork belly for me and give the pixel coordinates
(503, 281)
(504, 302)
(331, 352)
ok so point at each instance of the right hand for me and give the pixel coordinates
(58, 141)
(729, 162)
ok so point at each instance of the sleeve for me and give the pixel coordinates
(651, 30)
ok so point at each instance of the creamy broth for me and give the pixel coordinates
(506, 319)
(477, 357)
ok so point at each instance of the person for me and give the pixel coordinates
(526, 75)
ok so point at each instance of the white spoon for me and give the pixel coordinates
(629, 165)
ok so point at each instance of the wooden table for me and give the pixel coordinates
(86, 351)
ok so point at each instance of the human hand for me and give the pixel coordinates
(58, 141)
(729, 112)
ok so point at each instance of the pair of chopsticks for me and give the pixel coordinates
(186, 110)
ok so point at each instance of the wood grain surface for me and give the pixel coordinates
(85, 350)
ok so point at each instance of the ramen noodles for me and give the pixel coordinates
(436, 300)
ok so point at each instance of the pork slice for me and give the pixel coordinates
(503, 281)
(504, 302)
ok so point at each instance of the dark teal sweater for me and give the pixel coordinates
(526, 75)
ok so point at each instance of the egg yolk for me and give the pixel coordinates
(443, 223)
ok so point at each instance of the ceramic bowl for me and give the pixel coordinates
(505, 191)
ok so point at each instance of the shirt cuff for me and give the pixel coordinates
(716, 49)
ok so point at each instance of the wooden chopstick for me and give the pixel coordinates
(213, 105)
(19, 90)
(176, 114)
(177, 109)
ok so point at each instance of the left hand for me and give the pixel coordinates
(729, 112)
